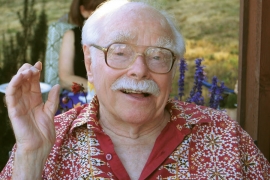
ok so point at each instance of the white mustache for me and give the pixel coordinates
(145, 86)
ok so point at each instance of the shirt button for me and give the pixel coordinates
(108, 157)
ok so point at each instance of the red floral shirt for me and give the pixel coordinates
(197, 143)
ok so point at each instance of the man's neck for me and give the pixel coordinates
(134, 144)
(123, 130)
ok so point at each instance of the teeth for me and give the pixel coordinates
(131, 91)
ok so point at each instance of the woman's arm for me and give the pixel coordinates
(66, 63)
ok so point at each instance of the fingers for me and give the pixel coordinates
(52, 103)
(38, 65)
(27, 73)
(25, 66)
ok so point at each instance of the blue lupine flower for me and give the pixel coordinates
(219, 94)
(181, 81)
(196, 92)
(216, 93)
(213, 90)
(197, 98)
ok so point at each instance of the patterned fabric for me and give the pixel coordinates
(55, 34)
(197, 143)
(54, 40)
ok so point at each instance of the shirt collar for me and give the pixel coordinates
(189, 113)
(186, 114)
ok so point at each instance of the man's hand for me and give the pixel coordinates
(31, 119)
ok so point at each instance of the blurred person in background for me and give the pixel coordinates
(71, 59)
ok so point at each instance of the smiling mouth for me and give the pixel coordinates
(129, 91)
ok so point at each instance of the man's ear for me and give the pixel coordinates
(88, 63)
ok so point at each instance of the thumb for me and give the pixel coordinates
(51, 104)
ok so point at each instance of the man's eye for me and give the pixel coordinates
(119, 53)
(157, 58)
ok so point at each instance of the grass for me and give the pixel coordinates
(9, 19)
(210, 29)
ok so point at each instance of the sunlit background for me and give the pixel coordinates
(210, 29)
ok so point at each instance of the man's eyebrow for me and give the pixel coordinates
(121, 36)
(163, 41)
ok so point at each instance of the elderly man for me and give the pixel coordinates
(130, 130)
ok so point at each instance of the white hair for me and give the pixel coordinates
(105, 14)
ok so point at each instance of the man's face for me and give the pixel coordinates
(130, 107)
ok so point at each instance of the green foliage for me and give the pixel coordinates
(27, 45)
(27, 20)
(229, 101)
(225, 70)
(10, 58)
(38, 42)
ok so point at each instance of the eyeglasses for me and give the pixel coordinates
(121, 56)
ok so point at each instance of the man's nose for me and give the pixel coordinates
(138, 69)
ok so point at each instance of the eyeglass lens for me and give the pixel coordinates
(158, 60)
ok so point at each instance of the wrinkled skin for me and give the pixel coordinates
(31, 119)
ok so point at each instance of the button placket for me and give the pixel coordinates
(108, 157)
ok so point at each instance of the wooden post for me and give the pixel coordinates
(254, 72)
(264, 91)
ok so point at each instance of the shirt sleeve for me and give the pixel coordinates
(6, 173)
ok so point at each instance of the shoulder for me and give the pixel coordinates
(216, 137)
(69, 34)
(68, 41)
(205, 122)
(195, 114)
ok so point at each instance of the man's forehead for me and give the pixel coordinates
(126, 36)
(134, 19)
